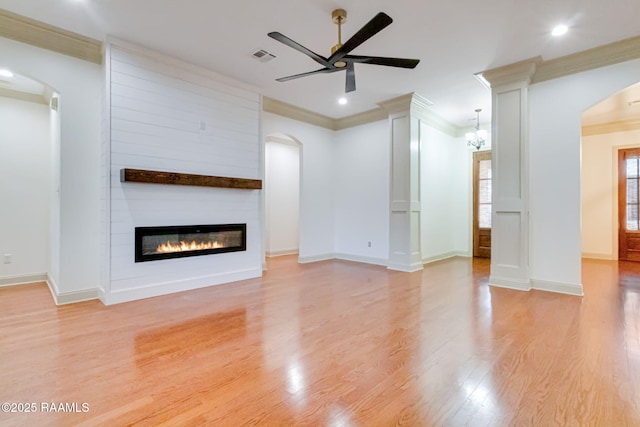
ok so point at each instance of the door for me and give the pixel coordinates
(482, 204)
(628, 203)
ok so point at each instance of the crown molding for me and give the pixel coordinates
(45, 36)
(23, 96)
(517, 72)
(363, 118)
(438, 122)
(597, 57)
(611, 127)
(280, 108)
(536, 70)
(418, 105)
(414, 102)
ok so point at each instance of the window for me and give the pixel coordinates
(484, 194)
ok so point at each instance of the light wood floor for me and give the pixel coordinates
(333, 344)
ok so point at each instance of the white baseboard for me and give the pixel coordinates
(132, 294)
(508, 283)
(62, 298)
(362, 259)
(561, 288)
(593, 255)
(22, 279)
(444, 256)
(540, 285)
(315, 258)
(406, 268)
(282, 252)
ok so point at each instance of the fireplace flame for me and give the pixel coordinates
(187, 246)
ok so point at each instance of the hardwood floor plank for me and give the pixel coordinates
(333, 343)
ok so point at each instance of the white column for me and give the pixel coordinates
(404, 220)
(510, 175)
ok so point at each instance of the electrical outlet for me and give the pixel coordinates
(369, 244)
(7, 258)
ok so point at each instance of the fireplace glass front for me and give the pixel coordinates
(155, 243)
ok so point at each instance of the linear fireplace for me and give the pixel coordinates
(155, 243)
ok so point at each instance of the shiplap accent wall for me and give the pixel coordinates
(171, 116)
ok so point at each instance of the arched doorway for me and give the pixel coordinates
(608, 128)
(282, 195)
(30, 172)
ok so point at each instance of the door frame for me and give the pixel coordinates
(622, 201)
(477, 157)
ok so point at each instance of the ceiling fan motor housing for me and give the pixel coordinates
(339, 17)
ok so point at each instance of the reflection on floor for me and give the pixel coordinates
(333, 343)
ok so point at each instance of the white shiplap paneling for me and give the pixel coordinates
(170, 116)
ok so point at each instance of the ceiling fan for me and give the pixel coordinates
(340, 58)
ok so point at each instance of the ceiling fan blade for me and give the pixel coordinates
(297, 46)
(350, 85)
(380, 60)
(310, 73)
(370, 29)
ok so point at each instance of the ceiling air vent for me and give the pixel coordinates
(263, 56)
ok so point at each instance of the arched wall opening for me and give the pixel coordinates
(554, 168)
(75, 271)
(30, 173)
(282, 194)
(607, 127)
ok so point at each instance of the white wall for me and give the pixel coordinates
(316, 183)
(54, 196)
(25, 174)
(555, 108)
(445, 185)
(599, 192)
(362, 192)
(78, 83)
(282, 198)
(167, 115)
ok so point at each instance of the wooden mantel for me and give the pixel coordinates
(174, 178)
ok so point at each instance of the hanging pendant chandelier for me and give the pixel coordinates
(478, 137)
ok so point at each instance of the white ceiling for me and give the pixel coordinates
(453, 40)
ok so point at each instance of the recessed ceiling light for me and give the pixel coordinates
(5, 73)
(342, 101)
(559, 30)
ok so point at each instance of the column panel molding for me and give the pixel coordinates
(510, 175)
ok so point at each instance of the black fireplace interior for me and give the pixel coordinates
(155, 243)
